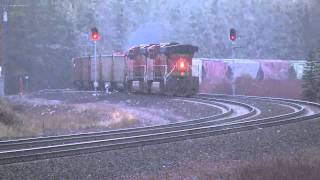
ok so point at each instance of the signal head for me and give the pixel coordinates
(95, 34)
(233, 34)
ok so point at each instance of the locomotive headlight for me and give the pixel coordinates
(182, 65)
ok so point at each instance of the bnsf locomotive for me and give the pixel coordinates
(155, 68)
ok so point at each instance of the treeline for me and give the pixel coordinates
(40, 43)
(43, 36)
(311, 77)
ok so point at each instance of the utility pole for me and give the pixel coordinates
(5, 5)
(4, 20)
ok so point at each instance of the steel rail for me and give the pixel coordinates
(116, 133)
(298, 109)
(96, 146)
(166, 132)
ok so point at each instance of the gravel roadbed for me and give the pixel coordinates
(149, 161)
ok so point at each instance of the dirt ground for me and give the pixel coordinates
(54, 114)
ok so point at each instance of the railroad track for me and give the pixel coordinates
(234, 117)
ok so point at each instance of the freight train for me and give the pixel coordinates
(155, 68)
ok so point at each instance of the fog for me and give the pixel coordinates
(41, 37)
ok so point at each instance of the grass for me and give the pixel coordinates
(120, 119)
(7, 115)
(21, 119)
(10, 121)
(300, 166)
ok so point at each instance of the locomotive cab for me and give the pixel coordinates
(180, 81)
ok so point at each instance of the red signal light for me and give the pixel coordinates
(233, 38)
(94, 34)
(233, 34)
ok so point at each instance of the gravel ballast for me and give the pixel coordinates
(211, 155)
(132, 163)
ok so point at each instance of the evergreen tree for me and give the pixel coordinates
(119, 23)
(310, 87)
(317, 73)
(40, 44)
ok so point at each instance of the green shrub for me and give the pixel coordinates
(7, 115)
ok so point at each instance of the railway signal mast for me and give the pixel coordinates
(233, 38)
(95, 36)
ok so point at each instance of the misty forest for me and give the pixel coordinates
(42, 36)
